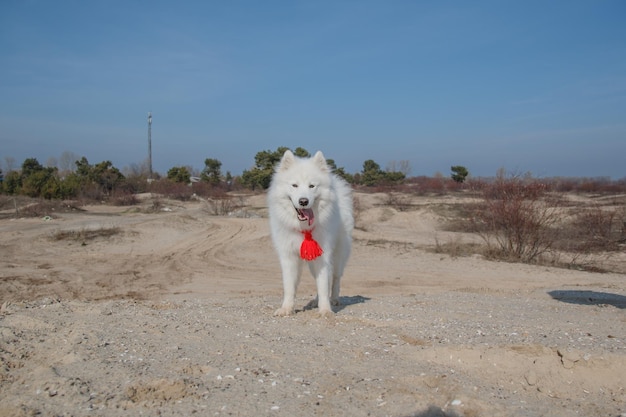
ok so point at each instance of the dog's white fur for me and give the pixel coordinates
(330, 199)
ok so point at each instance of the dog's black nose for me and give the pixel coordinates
(304, 202)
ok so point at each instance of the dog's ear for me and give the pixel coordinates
(287, 160)
(320, 161)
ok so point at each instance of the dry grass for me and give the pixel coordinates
(226, 205)
(121, 198)
(521, 220)
(20, 206)
(596, 228)
(398, 201)
(456, 248)
(516, 220)
(84, 235)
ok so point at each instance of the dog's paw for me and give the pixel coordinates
(283, 312)
(334, 302)
(325, 314)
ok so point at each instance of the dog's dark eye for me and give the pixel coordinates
(294, 185)
(311, 186)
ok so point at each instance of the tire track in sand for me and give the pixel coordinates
(223, 258)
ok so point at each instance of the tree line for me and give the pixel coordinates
(36, 180)
(260, 175)
(102, 179)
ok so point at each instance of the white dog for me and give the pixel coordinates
(311, 221)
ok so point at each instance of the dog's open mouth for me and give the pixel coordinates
(305, 215)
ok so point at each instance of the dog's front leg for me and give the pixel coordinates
(292, 270)
(323, 278)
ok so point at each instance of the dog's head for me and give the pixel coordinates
(306, 181)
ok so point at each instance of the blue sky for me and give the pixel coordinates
(536, 86)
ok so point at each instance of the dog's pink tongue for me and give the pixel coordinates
(308, 213)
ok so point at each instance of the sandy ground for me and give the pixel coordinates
(172, 315)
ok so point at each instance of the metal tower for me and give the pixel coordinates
(150, 145)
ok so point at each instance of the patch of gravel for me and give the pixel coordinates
(456, 353)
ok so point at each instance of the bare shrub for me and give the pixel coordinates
(174, 190)
(456, 247)
(221, 206)
(428, 185)
(457, 217)
(398, 201)
(595, 229)
(516, 219)
(185, 192)
(205, 189)
(41, 207)
(91, 193)
(226, 205)
(156, 206)
(123, 198)
(83, 235)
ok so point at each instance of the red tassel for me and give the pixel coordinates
(309, 249)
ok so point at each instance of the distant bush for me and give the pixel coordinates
(399, 201)
(93, 182)
(599, 185)
(594, 229)
(516, 219)
(174, 190)
(179, 174)
(437, 185)
(12, 183)
(123, 198)
(39, 207)
(225, 205)
(459, 173)
(373, 175)
(260, 175)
